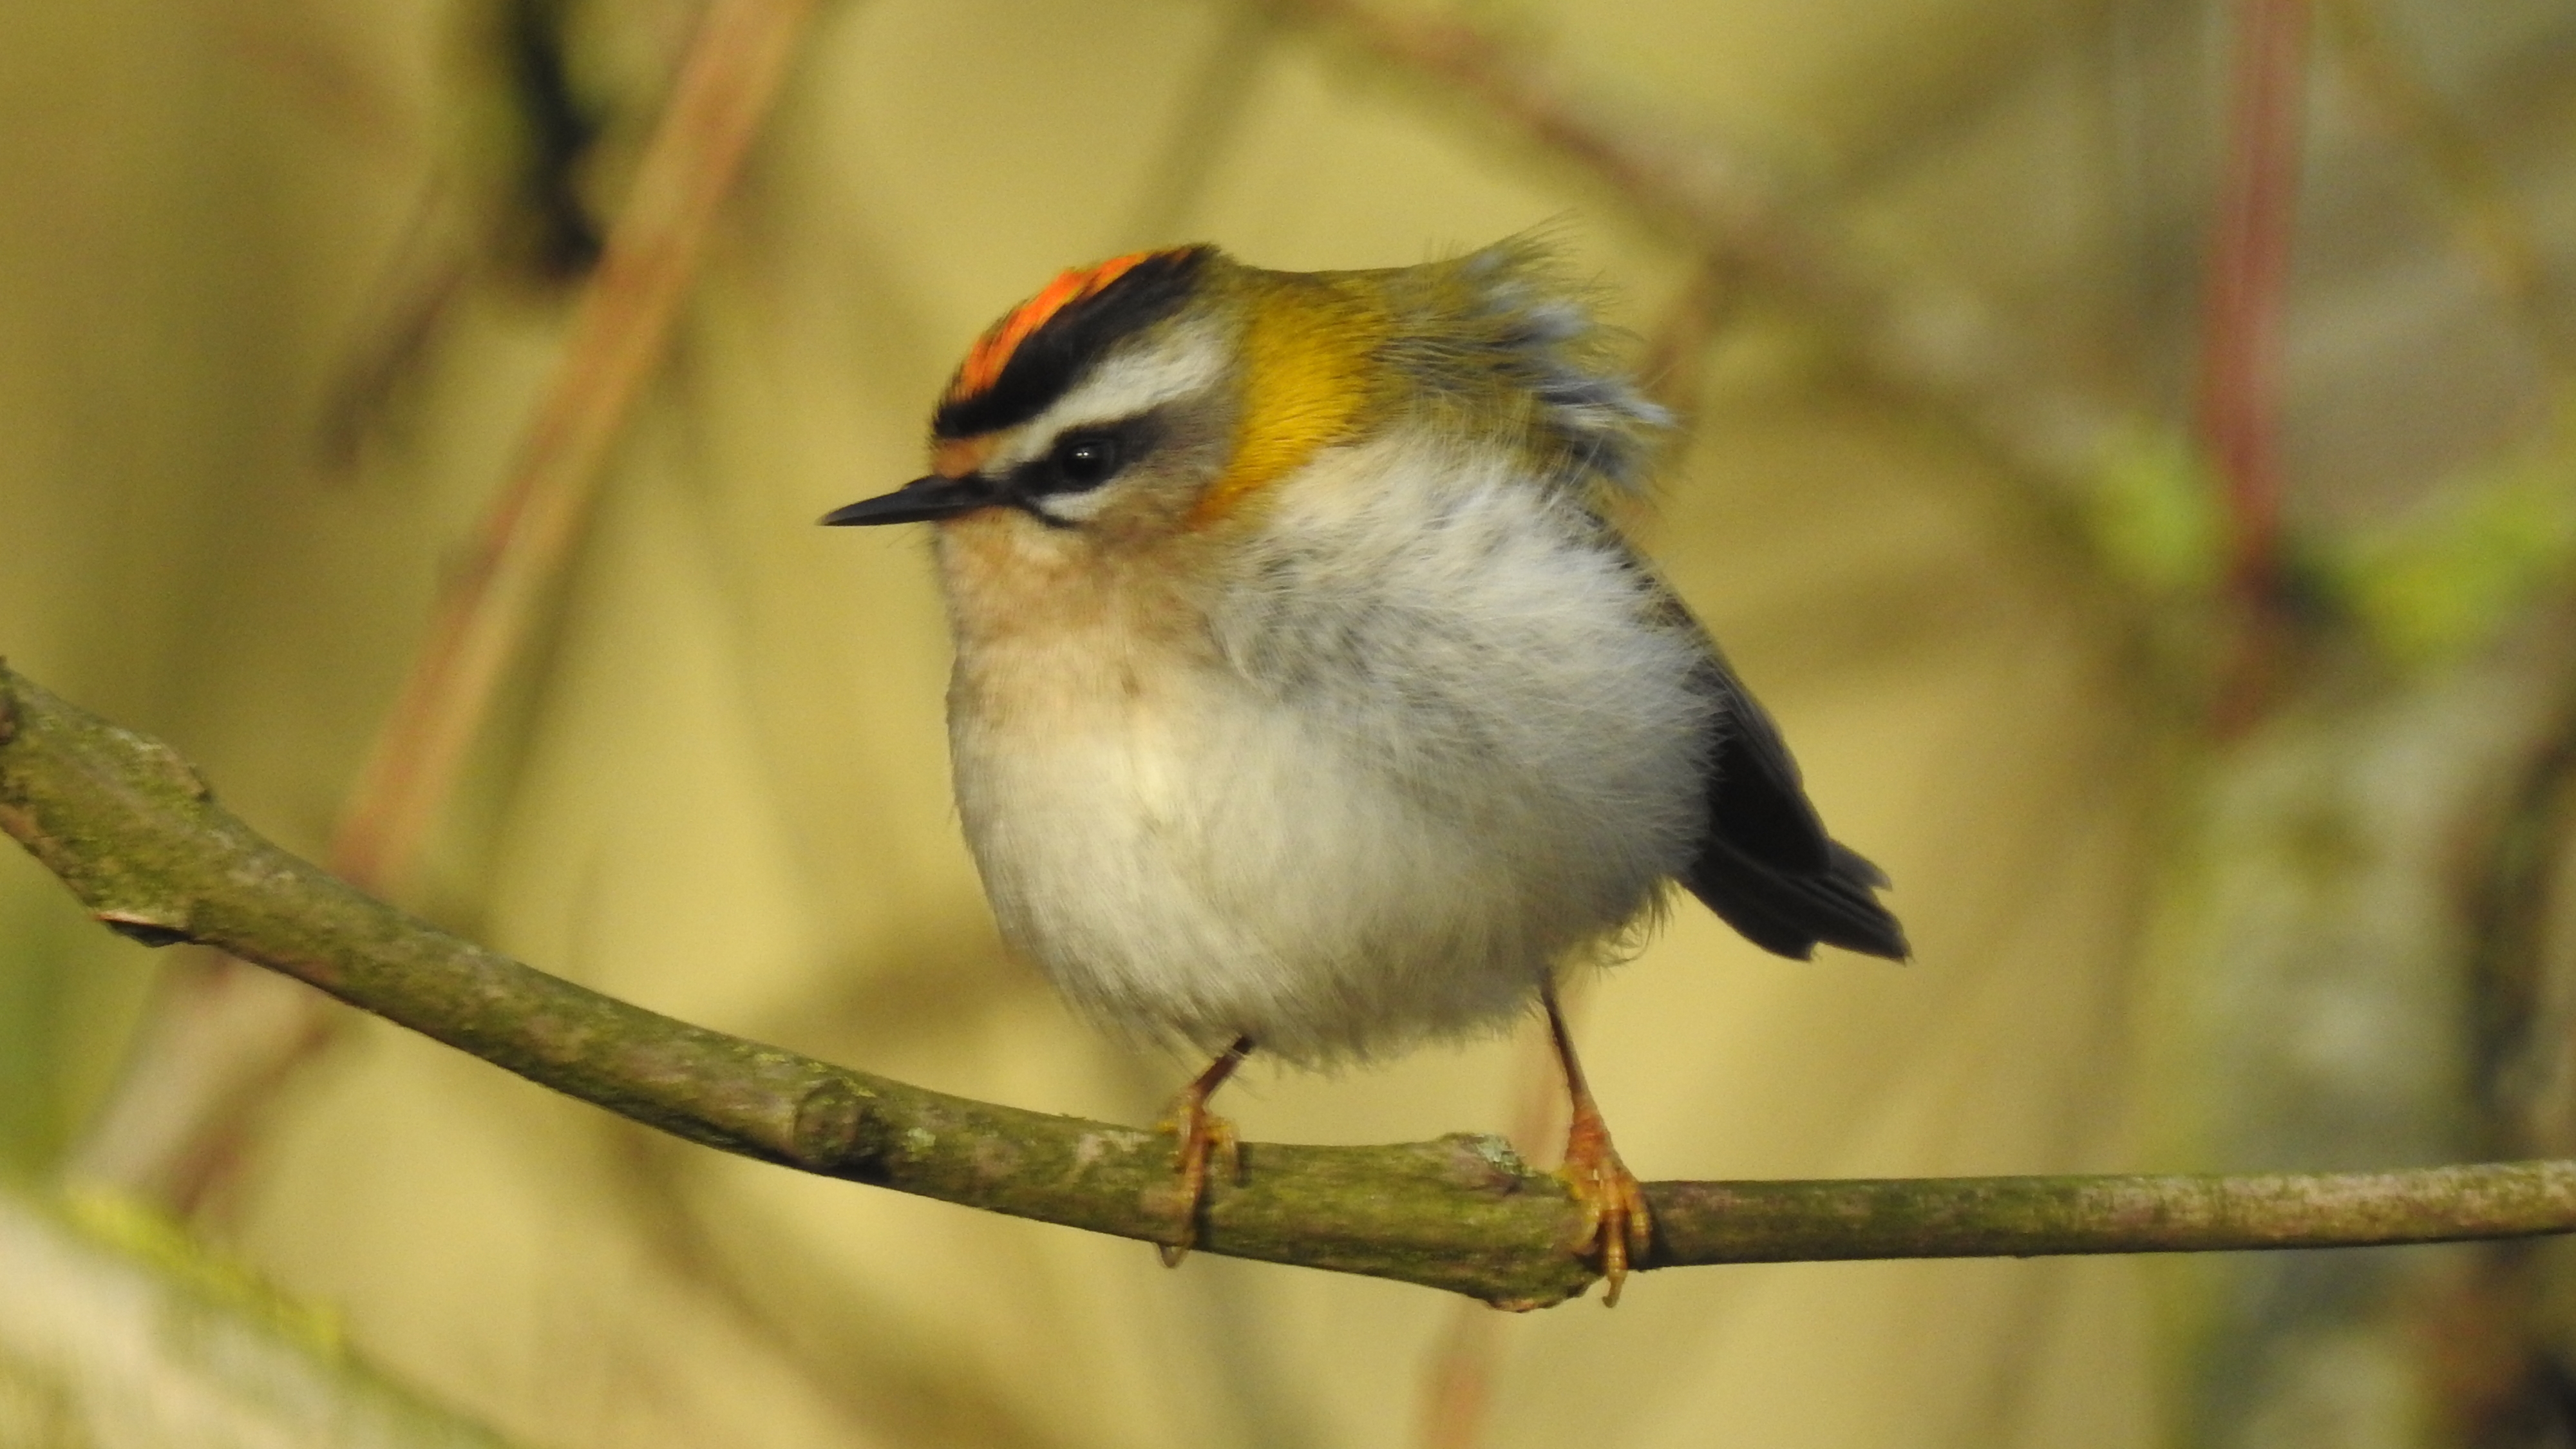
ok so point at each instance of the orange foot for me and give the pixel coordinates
(1617, 1228)
(1203, 1136)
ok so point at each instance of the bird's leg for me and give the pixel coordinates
(1202, 1134)
(1616, 1225)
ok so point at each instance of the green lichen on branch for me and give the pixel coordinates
(137, 836)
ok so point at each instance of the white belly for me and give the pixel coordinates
(1373, 798)
(1191, 866)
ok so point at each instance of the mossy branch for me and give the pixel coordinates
(137, 836)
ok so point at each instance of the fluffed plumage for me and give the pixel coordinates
(1336, 715)
(1305, 697)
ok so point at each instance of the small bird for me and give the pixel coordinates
(1306, 695)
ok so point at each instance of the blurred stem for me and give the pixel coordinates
(134, 832)
(2248, 289)
(407, 309)
(2525, 1020)
(734, 67)
(1210, 115)
(1456, 1391)
(220, 1041)
(1675, 364)
(2500, 1361)
(1915, 338)
(2493, 227)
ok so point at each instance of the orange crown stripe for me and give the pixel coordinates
(992, 351)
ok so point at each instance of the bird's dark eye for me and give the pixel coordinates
(1085, 460)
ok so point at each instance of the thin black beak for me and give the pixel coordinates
(919, 501)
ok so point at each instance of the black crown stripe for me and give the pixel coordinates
(1049, 361)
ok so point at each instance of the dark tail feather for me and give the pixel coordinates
(1787, 912)
(1767, 867)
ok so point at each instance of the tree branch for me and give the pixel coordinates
(137, 836)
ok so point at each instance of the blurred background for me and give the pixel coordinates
(2128, 451)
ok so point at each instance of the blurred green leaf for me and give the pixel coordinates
(120, 1328)
(2446, 580)
(2154, 515)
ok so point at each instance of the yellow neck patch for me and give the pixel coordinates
(1305, 385)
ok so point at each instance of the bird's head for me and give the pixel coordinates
(1148, 395)
(1160, 396)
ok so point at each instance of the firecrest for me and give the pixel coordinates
(1305, 696)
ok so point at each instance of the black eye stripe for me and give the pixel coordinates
(1081, 459)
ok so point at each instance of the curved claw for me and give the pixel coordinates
(1618, 1229)
(1203, 1135)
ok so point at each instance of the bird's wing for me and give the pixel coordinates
(1766, 866)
